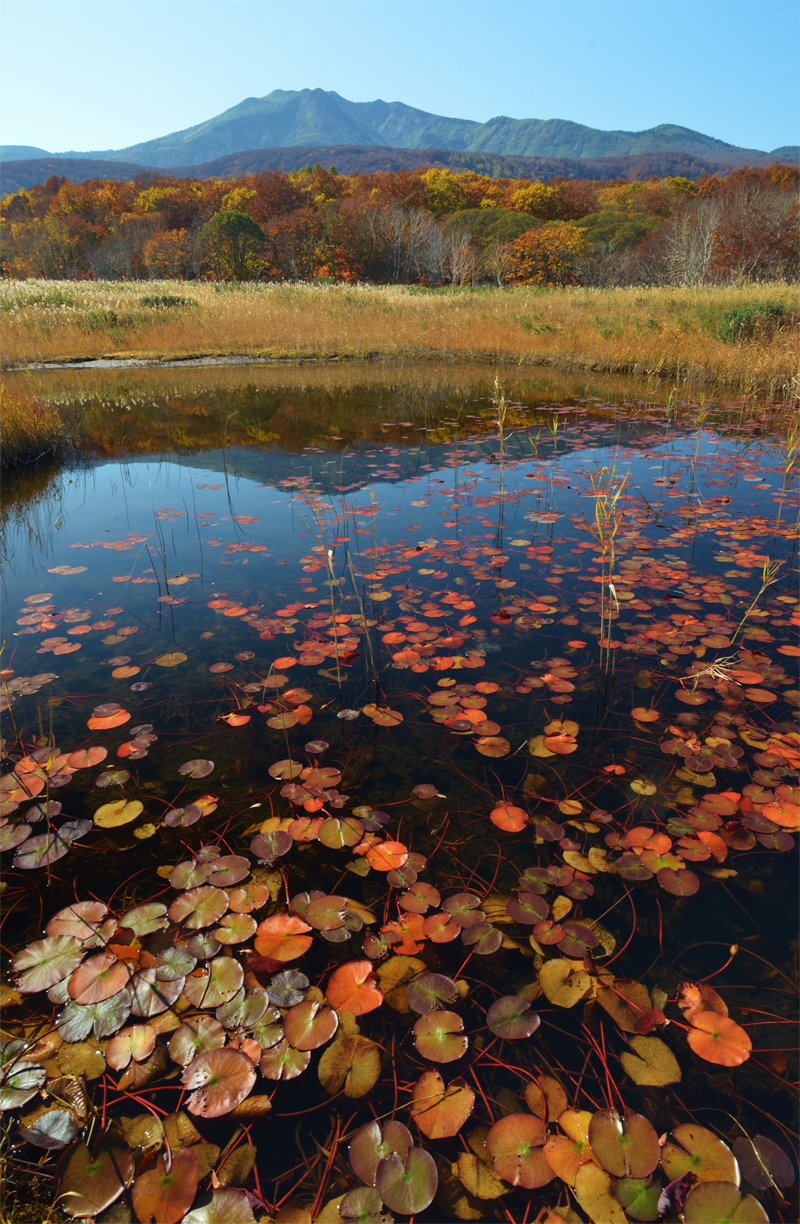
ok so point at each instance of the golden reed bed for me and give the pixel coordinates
(669, 332)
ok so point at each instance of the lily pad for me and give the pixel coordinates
(512, 1018)
(515, 1144)
(625, 1147)
(438, 1035)
(351, 1065)
(166, 1195)
(428, 990)
(371, 1143)
(439, 1110)
(407, 1186)
(719, 1202)
(88, 1184)
(47, 961)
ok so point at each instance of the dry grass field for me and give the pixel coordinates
(668, 332)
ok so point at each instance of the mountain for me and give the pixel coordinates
(21, 152)
(366, 159)
(290, 118)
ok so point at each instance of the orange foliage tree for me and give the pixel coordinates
(547, 254)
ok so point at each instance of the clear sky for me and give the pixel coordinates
(88, 75)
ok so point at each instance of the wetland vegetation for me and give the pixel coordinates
(302, 923)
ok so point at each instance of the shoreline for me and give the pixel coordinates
(688, 376)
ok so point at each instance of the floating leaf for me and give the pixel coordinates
(370, 1144)
(387, 855)
(103, 1018)
(718, 1039)
(639, 1197)
(492, 746)
(47, 848)
(105, 722)
(626, 1003)
(228, 1206)
(397, 975)
(198, 768)
(81, 919)
(195, 1036)
(719, 1202)
(594, 1192)
(283, 937)
(529, 908)
(407, 1186)
(545, 1098)
(149, 996)
(509, 818)
(437, 1036)
(166, 1196)
(681, 883)
(199, 907)
(245, 1009)
(515, 1145)
(221, 1079)
(428, 990)
(353, 987)
(136, 1042)
(351, 1065)
(626, 1147)
(47, 961)
(98, 978)
(512, 1018)
(363, 1204)
(763, 1163)
(652, 1064)
(119, 812)
(51, 1131)
(282, 1062)
(19, 1080)
(440, 1111)
(86, 1184)
(285, 771)
(172, 659)
(309, 1025)
(219, 982)
(287, 988)
(568, 1152)
(564, 983)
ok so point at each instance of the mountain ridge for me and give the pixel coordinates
(366, 159)
(317, 117)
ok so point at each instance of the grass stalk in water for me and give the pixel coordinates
(30, 429)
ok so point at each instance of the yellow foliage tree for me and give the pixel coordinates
(536, 199)
(444, 193)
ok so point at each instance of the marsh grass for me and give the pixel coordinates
(659, 332)
(31, 430)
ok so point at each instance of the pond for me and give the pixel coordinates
(399, 800)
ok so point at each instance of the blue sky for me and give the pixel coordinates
(82, 74)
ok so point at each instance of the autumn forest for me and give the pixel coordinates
(428, 227)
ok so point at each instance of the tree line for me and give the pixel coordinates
(423, 227)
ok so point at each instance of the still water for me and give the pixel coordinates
(324, 620)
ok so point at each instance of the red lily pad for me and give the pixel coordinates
(221, 1080)
(166, 1195)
